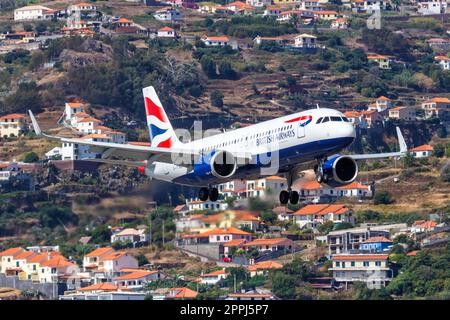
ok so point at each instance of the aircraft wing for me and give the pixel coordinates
(402, 146)
(133, 154)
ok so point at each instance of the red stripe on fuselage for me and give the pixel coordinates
(154, 110)
(298, 119)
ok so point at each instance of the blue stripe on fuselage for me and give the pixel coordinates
(287, 157)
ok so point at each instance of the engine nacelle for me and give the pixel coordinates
(221, 164)
(340, 170)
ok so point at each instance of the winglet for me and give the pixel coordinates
(36, 128)
(401, 141)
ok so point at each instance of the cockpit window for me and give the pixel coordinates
(326, 119)
(345, 119)
(319, 120)
(336, 119)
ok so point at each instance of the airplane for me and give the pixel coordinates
(304, 140)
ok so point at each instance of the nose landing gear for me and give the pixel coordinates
(321, 177)
(211, 193)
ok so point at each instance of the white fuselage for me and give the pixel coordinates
(294, 138)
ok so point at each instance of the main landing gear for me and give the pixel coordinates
(321, 177)
(289, 195)
(211, 193)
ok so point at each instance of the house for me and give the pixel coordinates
(376, 244)
(104, 295)
(72, 109)
(314, 214)
(191, 223)
(369, 268)
(32, 270)
(420, 226)
(230, 246)
(403, 113)
(263, 268)
(272, 11)
(381, 104)
(432, 7)
(218, 235)
(56, 268)
(283, 213)
(436, 107)
(87, 125)
(181, 209)
(372, 118)
(341, 241)
(131, 235)
(83, 7)
(34, 12)
(368, 6)
(116, 261)
(168, 14)
(326, 15)
(216, 41)
(260, 40)
(20, 261)
(271, 244)
(239, 7)
(314, 5)
(271, 185)
(356, 118)
(174, 293)
(382, 61)
(7, 258)
(212, 278)
(439, 44)
(443, 61)
(233, 188)
(92, 259)
(198, 205)
(313, 190)
(13, 125)
(250, 295)
(305, 41)
(339, 23)
(137, 279)
(423, 151)
(258, 3)
(167, 32)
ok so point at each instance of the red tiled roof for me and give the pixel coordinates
(136, 275)
(360, 257)
(265, 265)
(99, 251)
(425, 147)
(214, 273)
(377, 239)
(181, 293)
(12, 116)
(267, 242)
(234, 243)
(11, 252)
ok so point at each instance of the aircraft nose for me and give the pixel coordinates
(350, 130)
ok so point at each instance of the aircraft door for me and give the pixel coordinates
(300, 131)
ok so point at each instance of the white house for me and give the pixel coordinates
(7, 258)
(259, 3)
(166, 32)
(92, 259)
(13, 125)
(432, 7)
(72, 108)
(55, 268)
(168, 14)
(55, 152)
(266, 186)
(369, 268)
(272, 11)
(305, 41)
(34, 12)
(422, 151)
(137, 279)
(130, 235)
(195, 204)
(283, 213)
(212, 278)
(403, 113)
(249, 296)
(216, 41)
(314, 214)
(433, 106)
(262, 268)
(87, 125)
(75, 151)
(116, 261)
(443, 61)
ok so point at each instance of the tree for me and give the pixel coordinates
(439, 150)
(226, 71)
(31, 157)
(40, 27)
(269, 216)
(208, 66)
(142, 259)
(383, 197)
(445, 173)
(216, 98)
(283, 285)
(27, 27)
(408, 160)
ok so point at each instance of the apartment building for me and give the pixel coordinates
(13, 125)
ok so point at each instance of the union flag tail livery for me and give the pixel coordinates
(162, 134)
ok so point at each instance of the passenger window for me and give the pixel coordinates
(319, 120)
(326, 119)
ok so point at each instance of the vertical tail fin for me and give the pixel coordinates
(162, 134)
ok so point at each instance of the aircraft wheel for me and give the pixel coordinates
(284, 197)
(203, 194)
(294, 197)
(213, 194)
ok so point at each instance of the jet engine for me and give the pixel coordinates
(339, 170)
(221, 164)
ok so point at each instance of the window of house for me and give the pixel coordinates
(378, 263)
(366, 263)
(338, 263)
(352, 264)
